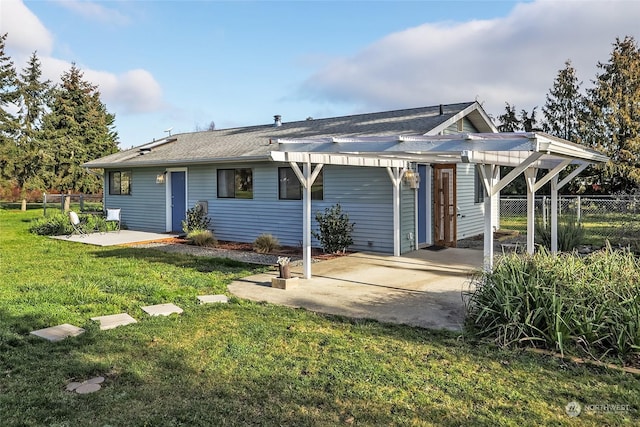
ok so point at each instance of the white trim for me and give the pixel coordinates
(167, 183)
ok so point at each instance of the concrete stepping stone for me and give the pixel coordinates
(90, 386)
(58, 333)
(210, 299)
(162, 309)
(114, 320)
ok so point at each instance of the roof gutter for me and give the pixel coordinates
(161, 163)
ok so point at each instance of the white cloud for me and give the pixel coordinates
(26, 32)
(95, 12)
(133, 91)
(513, 59)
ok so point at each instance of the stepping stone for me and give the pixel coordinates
(90, 386)
(209, 299)
(162, 309)
(114, 320)
(58, 333)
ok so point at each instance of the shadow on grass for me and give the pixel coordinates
(201, 264)
(247, 364)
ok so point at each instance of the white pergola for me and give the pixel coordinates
(525, 152)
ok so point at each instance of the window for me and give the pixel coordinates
(289, 187)
(478, 188)
(235, 183)
(120, 182)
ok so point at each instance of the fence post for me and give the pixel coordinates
(44, 203)
(579, 208)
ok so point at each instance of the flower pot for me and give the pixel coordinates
(284, 271)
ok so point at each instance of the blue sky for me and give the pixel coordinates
(181, 64)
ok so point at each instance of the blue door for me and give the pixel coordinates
(422, 205)
(178, 200)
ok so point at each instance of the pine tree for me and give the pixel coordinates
(80, 129)
(528, 121)
(509, 121)
(32, 151)
(612, 116)
(8, 121)
(563, 105)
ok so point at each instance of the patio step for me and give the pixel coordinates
(114, 320)
(58, 333)
(162, 309)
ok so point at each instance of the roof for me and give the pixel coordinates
(257, 142)
(535, 149)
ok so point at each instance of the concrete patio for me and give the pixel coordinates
(422, 288)
(114, 238)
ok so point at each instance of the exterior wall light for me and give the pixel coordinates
(160, 178)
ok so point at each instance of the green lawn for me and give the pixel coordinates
(246, 363)
(614, 227)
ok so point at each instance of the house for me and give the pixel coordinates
(233, 174)
(408, 178)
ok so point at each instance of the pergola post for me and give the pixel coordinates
(554, 214)
(306, 178)
(530, 177)
(489, 174)
(396, 175)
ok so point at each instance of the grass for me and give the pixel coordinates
(246, 363)
(613, 227)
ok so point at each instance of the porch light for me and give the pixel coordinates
(411, 178)
(160, 178)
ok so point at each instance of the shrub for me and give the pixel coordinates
(202, 238)
(56, 224)
(196, 219)
(562, 302)
(570, 234)
(335, 229)
(265, 243)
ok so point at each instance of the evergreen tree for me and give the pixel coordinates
(8, 121)
(528, 121)
(32, 151)
(509, 121)
(612, 116)
(79, 128)
(564, 102)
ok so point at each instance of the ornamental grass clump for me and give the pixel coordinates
(567, 303)
(202, 238)
(266, 243)
(570, 234)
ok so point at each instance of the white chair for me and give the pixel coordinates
(77, 226)
(113, 215)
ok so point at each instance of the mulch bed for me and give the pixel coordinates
(290, 251)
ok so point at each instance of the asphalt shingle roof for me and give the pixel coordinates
(255, 142)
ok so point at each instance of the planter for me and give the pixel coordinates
(280, 283)
(285, 273)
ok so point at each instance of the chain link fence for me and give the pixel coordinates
(579, 207)
(615, 219)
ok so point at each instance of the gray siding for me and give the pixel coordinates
(407, 219)
(467, 126)
(364, 193)
(471, 219)
(145, 208)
